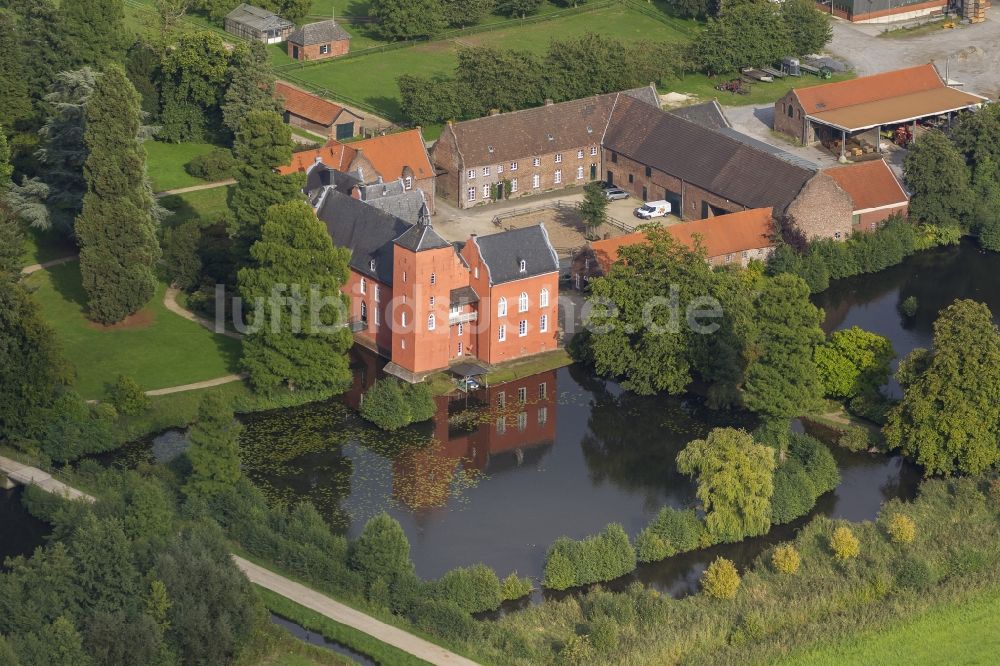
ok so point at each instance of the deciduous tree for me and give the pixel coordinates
(948, 418)
(194, 75)
(116, 229)
(735, 477)
(381, 551)
(594, 207)
(939, 180)
(808, 28)
(214, 449)
(406, 19)
(501, 79)
(301, 336)
(460, 13)
(96, 31)
(746, 35)
(852, 362)
(518, 8)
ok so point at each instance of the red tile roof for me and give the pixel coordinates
(306, 105)
(829, 96)
(388, 154)
(871, 184)
(720, 235)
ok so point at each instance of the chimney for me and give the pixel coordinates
(356, 193)
(494, 112)
(548, 101)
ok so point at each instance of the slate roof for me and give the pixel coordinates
(320, 176)
(321, 32)
(421, 236)
(504, 251)
(542, 129)
(404, 204)
(462, 296)
(871, 184)
(707, 114)
(260, 19)
(791, 158)
(364, 230)
(705, 158)
(306, 105)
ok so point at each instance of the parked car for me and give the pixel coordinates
(651, 209)
(615, 193)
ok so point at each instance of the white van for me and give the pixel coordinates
(651, 209)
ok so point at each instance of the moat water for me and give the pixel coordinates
(500, 474)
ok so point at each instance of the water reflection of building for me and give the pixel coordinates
(493, 429)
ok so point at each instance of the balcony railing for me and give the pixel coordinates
(461, 317)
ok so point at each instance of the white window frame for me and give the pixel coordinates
(364, 311)
(536, 181)
(461, 328)
(522, 421)
(363, 285)
(502, 307)
(432, 301)
(408, 183)
(593, 151)
(499, 168)
(486, 171)
(579, 154)
(371, 264)
(470, 174)
(378, 294)
(513, 166)
(476, 272)
(431, 322)
(522, 300)
(522, 266)
(324, 49)
(543, 415)
(543, 324)
(487, 191)
(579, 173)
(522, 394)
(501, 425)
(558, 176)
(470, 194)
(459, 348)
(434, 278)
(502, 334)
(543, 391)
(522, 328)
(536, 161)
(513, 185)
(558, 158)
(402, 320)
(375, 317)
(543, 298)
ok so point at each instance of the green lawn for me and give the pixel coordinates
(42, 246)
(372, 78)
(165, 162)
(761, 93)
(966, 633)
(159, 350)
(206, 204)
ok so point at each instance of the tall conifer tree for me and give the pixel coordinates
(116, 230)
(95, 30)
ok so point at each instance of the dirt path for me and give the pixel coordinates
(34, 268)
(196, 188)
(346, 615)
(208, 383)
(170, 303)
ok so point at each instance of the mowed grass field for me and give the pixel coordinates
(155, 346)
(967, 633)
(166, 161)
(204, 204)
(372, 78)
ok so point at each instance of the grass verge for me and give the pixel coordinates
(334, 631)
(166, 161)
(915, 30)
(203, 204)
(42, 246)
(154, 346)
(529, 366)
(270, 645)
(966, 632)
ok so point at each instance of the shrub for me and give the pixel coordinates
(474, 589)
(844, 544)
(817, 460)
(989, 236)
(914, 573)
(909, 306)
(672, 531)
(602, 557)
(786, 559)
(559, 573)
(603, 634)
(513, 587)
(993, 493)
(217, 164)
(392, 405)
(855, 438)
(381, 550)
(73, 428)
(576, 650)
(127, 396)
(721, 580)
(444, 618)
(794, 494)
(902, 529)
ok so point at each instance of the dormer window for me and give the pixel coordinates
(523, 266)
(551, 138)
(490, 148)
(371, 264)
(590, 130)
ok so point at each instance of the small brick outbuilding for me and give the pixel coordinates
(317, 41)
